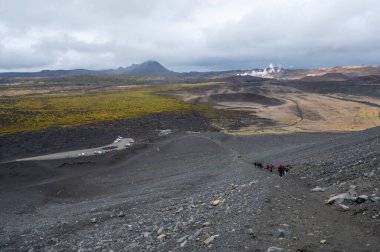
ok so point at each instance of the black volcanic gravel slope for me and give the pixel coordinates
(198, 192)
(93, 135)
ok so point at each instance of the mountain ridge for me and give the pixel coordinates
(149, 67)
(154, 68)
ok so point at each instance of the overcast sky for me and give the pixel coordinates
(188, 35)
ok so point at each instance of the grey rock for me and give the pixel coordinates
(206, 224)
(191, 220)
(344, 207)
(121, 214)
(352, 191)
(161, 237)
(197, 233)
(282, 233)
(318, 189)
(179, 210)
(251, 233)
(369, 175)
(160, 230)
(165, 132)
(146, 234)
(180, 240)
(274, 249)
(210, 239)
(375, 199)
(183, 244)
(216, 202)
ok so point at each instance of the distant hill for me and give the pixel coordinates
(331, 73)
(326, 77)
(146, 68)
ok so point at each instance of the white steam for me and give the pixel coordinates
(263, 73)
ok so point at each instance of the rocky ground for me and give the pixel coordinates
(194, 192)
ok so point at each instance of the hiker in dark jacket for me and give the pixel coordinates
(280, 170)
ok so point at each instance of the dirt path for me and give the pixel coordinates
(119, 144)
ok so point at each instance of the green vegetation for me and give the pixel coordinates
(36, 112)
(91, 79)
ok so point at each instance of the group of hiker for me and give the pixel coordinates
(283, 170)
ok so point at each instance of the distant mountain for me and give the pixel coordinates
(148, 68)
(47, 73)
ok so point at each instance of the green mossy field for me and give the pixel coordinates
(36, 112)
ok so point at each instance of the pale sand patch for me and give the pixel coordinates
(301, 112)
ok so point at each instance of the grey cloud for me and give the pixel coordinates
(19, 59)
(187, 35)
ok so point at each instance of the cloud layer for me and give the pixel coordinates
(187, 35)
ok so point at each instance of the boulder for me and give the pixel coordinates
(161, 237)
(362, 198)
(216, 202)
(339, 198)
